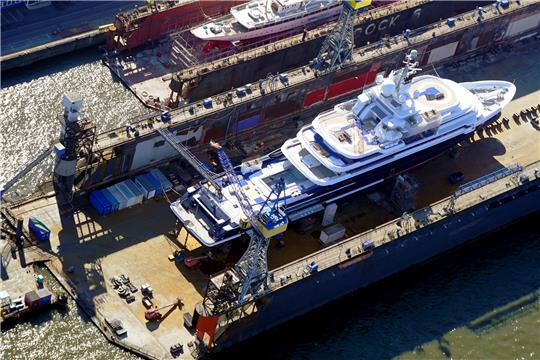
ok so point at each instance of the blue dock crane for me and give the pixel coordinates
(269, 221)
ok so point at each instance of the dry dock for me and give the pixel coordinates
(246, 118)
(136, 242)
(148, 73)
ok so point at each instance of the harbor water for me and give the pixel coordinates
(479, 302)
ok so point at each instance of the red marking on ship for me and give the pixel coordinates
(149, 23)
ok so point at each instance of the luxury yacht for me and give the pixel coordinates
(266, 17)
(400, 122)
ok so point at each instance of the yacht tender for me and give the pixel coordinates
(398, 123)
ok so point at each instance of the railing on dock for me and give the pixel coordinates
(487, 179)
(361, 246)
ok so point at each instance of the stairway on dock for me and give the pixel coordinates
(182, 51)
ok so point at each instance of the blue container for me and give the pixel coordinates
(115, 204)
(165, 184)
(45, 296)
(100, 203)
(39, 229)
(155, 182)
(135, 189)
(148, 189)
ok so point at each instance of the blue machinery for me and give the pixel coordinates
(251, 270)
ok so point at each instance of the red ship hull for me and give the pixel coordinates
(149, 23)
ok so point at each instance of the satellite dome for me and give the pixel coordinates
(388, 87)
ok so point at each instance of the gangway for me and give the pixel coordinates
(482, 181)
(29, 166)
(190, 158)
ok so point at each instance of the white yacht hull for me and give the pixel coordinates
(494, 96)
(207, 34)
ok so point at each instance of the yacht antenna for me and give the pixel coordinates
(409, 69)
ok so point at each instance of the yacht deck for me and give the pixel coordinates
(447, 99)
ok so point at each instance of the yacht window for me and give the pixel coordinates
(275, 7)
(379, 113)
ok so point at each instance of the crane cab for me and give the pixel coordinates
(272, 222)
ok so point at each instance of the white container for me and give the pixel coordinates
(135, 189)
(332, 234)
(124, 190)
(122, 200)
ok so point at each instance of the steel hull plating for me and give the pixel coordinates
(393, 257)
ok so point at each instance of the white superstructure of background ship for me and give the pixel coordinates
(267, 17)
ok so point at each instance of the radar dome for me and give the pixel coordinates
(388, 87)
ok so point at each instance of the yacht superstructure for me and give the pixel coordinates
(400, 122)
(266, 17)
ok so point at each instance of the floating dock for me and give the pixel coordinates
(248, 114)
(179, 61)
(91, 249)
(143, 242)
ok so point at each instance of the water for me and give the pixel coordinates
(480, 302)
(31, 103)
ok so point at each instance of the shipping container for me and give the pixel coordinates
(149, 190)
(40, 230)
(165, 184)
(100, 202)
(123, 203)
(135, 189)
(45, 296)
(115, 204)
(155, 182)
(31, 299)
(129, 195)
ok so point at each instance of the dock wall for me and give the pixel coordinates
(54, 48)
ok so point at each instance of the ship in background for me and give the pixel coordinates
(390, 127)
(260, 18)
(143, 25)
